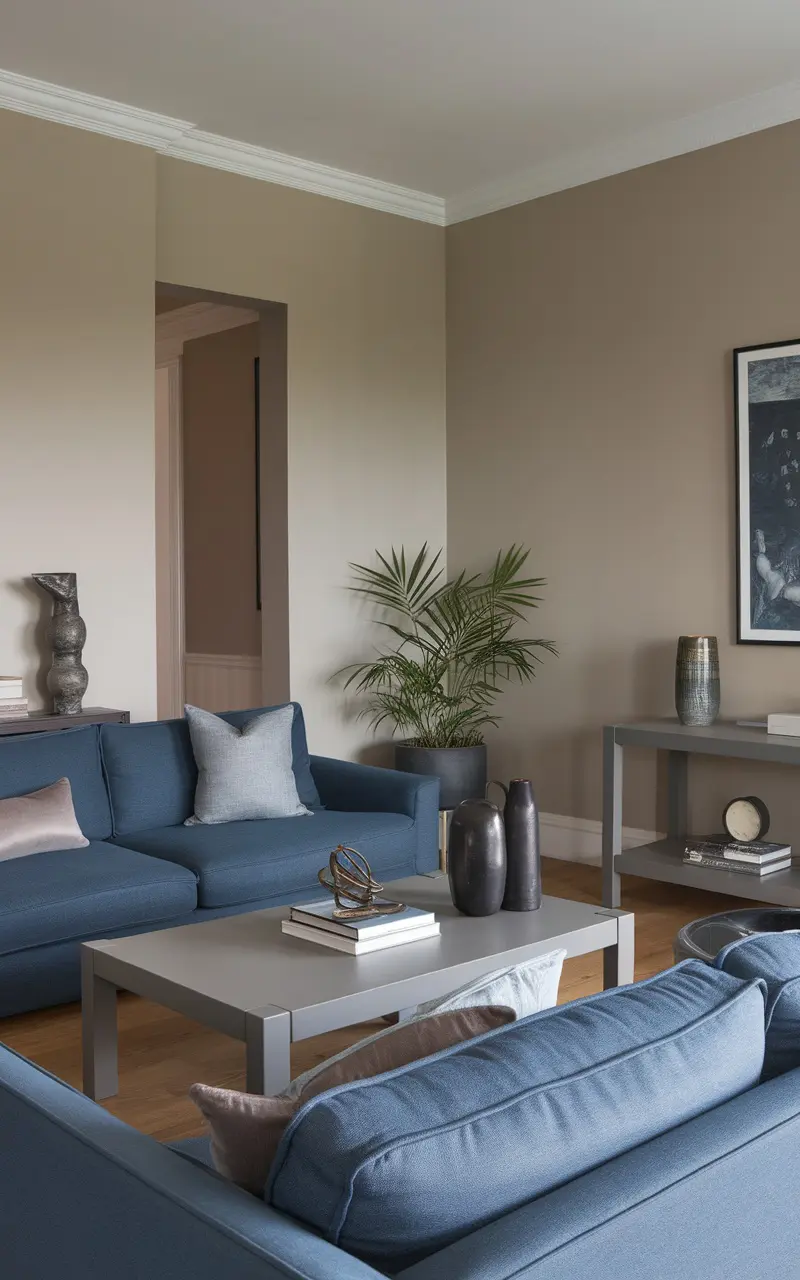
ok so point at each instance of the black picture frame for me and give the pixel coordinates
(766, 388)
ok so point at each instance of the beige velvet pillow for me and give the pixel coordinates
(247, 1128)
(40, 822)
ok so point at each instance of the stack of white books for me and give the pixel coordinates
(748, 857)
(316, 922)
(12, 703)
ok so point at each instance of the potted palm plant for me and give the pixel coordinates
(454, 647)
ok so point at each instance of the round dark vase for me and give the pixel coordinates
(476, 858)
(524, 866)
(461, 770)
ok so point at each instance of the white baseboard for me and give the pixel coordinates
(581, 839)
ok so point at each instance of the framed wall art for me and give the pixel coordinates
(767, 400)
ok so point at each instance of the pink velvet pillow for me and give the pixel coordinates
(247, 1128)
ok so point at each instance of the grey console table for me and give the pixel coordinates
(663, 859)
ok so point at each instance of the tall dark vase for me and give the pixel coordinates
(523, 858)
(476, 858)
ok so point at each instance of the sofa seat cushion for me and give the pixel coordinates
(392, 1169)
(238, 862)
(774, 957)
(36, 760)
(83, 893)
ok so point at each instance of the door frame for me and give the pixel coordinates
(170, 621)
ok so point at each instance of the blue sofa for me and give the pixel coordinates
(703, 1179)
(133, 787)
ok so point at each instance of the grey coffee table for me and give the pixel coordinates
(241, 975)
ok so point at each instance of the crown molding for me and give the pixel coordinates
(306, 175)
(661, 142)
(85, 111)
(183, 141)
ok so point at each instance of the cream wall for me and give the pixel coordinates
(366, 447)
(77, 264)
(590, 416)
(80, 218)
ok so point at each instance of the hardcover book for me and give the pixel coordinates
(738, 868)
(319, 915)
(358, 946)
(755, 851)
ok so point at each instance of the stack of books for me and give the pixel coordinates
(315, 922)
(12, 703)
(750, 857)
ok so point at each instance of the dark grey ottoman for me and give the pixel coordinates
(703, 939)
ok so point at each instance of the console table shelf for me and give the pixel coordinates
(662, 860)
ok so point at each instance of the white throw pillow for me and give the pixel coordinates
(525, 988)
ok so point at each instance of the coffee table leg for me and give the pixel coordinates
(618, 960)
(268, 1039)
(99, 1031)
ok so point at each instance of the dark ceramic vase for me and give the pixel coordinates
(476, 858)
(523, 860)
(461, 770)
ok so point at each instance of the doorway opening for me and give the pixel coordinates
(221, 521)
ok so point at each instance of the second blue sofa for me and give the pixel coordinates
(133, 788)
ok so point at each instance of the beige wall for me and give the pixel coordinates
(77, 264)
(219, 498)
(590, 416)
(365, 295)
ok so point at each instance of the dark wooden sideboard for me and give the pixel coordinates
(47, 721)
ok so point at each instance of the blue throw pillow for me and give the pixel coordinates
(394, 1168)
(774, 957)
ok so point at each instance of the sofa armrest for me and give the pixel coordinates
(83, 1195)
(361, 788)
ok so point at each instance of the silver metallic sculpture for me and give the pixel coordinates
(67, 678)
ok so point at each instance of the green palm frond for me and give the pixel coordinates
(455, 644)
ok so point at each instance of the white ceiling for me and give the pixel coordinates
(474, 101)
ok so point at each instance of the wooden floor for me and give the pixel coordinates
(161, 1053)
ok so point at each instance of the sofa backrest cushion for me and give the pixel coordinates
(393, 1168)
(774, 957)
(152, 774)
(35, 760)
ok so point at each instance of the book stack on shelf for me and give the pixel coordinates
(748, 857)
(12, 703)
(315, 922)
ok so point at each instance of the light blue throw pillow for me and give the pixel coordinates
(243, 773)
(774, 957)
(396, 1167)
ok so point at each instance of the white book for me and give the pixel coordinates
(320, 915)
(354, 947)
(9, 690)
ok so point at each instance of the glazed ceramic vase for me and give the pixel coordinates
(523, 859)
(476, 858)
(697, 680)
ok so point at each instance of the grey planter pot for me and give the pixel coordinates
(461, 770)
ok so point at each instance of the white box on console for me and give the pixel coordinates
(785, 723)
